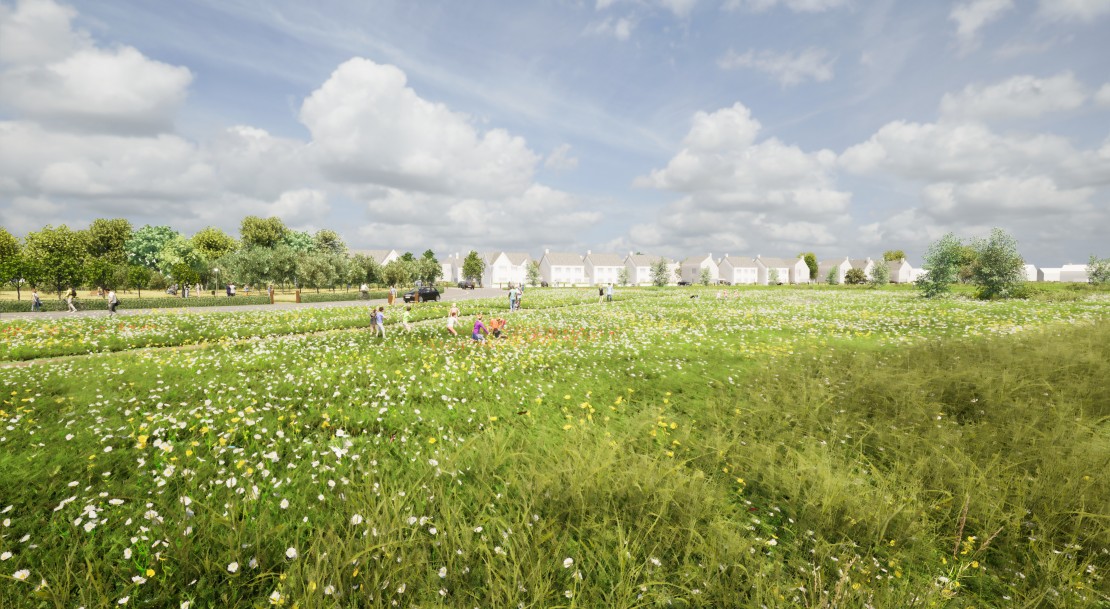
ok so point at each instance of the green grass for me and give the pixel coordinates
(783, 448)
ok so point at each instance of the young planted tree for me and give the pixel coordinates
(942, 261)
(833, 276)
(473, 266)
(1098, 270)
(11, 260)
(659, 274)
(623, 276)
(880, 273)
(364, 268)
(894, 255)
(533, 273)
(398, 272)
(773, 277)
(855, 277)
(316, 270)
(139, 277)
(705, 276)
(999, 270)
(108, 239)
(811, 262)
(299, 241)
(213, 243)
(329, 242)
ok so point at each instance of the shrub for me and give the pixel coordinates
(833, 277)
(352, 296)
(942, 260)
(880, 274)
(855, 277)
(998, 270)
(1098, 270)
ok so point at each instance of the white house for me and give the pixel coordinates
(864, 264)
(841, 266)
(1052, 274)
(519, 263)
(691, 268)
(900, 271)
(738, 270)
(558, 268)
(503, 268)
(602, 269)
(639, 268)
(1074, 272)
(451, 267)
(788, 270)
(1032, 273)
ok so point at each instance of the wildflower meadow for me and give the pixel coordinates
(763, 447)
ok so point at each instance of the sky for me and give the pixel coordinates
(669, 127)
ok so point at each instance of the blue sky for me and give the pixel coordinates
(675, 127)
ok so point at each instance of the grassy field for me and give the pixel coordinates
(777, 448)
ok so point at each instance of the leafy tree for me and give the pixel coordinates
(855, 277)
(811, 261)
(1098, 270)
(705, 276)
(299, 241)
(316, 270)
(659, 273)
(398, 272)
(429, 255)
(773, 276)
(427, 269)
(98, 272)
(183, 275)
(180, 250)
(893, 256)
(262, 232)
(473, 266)
(248, 265)
(998, 270)
(880, 273)
(213, 243)
(833, 276)
(329, 242)
(120, 279)
(282, 264)
(942, 260)
(139, 277)
(11, 260)
(108, 239)
(60, 253)
(364, 268)
(408, 257)
(146, 244)
(623, 276)
(966, 267)
(533, 273)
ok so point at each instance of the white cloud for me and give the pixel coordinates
(560, 159)
(302, 207)
(37, 32)
(1102, 98)
(798, 6)
(369, 127)
(972, 15)
(788, 68)
(984, 201)
(619, 28)
(681, 8)
(1017, 97)
(55, 76)
(1074, 10)
(739, 192)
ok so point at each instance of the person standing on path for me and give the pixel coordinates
(364, 292)
(379, 322)
(70, 296)
(452, 319)
(36, 302)
(392, 294)
(113, 302)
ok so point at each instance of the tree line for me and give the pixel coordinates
(112, 254)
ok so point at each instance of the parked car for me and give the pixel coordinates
(723, 282)
(684, 283)
(427, 293)
(465, 284)
(543, 284)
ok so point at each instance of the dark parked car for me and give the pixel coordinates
(465, 284)
(426, 293)
(684, 283)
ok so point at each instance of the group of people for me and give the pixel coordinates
(71, 296)
(495, 327)
(604, 293)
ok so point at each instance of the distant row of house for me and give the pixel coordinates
(565, 268)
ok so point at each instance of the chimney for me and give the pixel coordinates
(546, 251)
(588, 252)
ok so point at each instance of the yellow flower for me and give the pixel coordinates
(431, 440)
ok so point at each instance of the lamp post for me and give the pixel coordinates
(216, 271)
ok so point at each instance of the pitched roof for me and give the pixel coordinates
(831, 262)
(643, 259)
(697, 259)
(517, 258)
(779, 262)
(604, 259)
(739, 262)
(377, 255)
(563, 258)
(860, 263)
